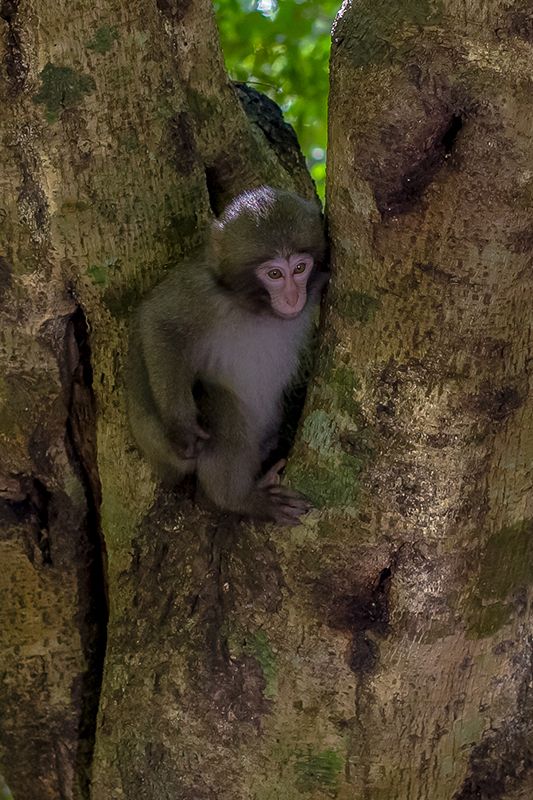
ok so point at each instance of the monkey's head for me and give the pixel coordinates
(270, 246)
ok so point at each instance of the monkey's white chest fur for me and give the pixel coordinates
(256, 357)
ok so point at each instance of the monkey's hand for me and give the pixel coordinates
(188, 440)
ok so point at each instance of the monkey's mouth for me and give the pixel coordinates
(288, 314)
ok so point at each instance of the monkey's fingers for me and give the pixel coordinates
(285, 492)
(291, 504)
(286, 515)
(200, 433)
(272, 477)
(295, 508)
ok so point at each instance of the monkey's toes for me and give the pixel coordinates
(201, 433)
(289, 495)
(295, 508)
(288, 515)
(272, 477)
(289, 508)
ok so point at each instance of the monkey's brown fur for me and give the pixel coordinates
(209, 359)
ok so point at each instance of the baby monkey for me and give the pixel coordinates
(215, 345)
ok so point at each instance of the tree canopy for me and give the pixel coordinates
(282, 48)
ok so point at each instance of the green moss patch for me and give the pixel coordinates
(5, 793)
(357, 306)
(130, 141)
(345, 384)
(507, 562)
(74, 207)
(506, 565)
(331, 481)
(255, 645)
(103, 39)
(258, 646)
(177, 229)
(100, 273)
(329, 473)
(62, 87)
(319, 771)
(319, 431)
(201, 107)
(486, 620)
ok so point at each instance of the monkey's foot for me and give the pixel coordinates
(287, 505)
(272, 477)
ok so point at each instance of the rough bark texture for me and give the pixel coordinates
(119, 135)
(426, 391)
(52, 595)
(381, 650)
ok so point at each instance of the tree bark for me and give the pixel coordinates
(381, 649)
(120, 135)
(426, 389)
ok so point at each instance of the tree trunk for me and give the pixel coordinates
(426, 389)
(120, 135)
(250, 663)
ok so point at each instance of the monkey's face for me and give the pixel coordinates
(285, 280)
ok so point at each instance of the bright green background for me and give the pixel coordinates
(281, 48)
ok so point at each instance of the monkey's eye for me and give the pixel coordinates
(275, 274)
(301, 267)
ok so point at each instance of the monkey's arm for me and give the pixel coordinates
(165, 342)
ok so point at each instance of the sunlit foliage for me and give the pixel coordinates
(281, 47)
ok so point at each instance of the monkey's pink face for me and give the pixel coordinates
(285, 279)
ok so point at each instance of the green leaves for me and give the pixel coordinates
(281, 47)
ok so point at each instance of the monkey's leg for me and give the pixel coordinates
(157, 448)
(229, 464)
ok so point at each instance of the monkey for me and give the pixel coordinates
(214, 347)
